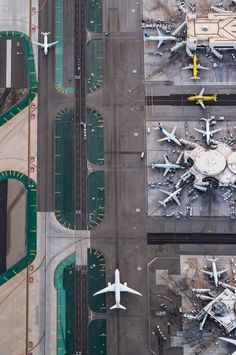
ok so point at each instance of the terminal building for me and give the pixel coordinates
(222, 310)
(215, 31)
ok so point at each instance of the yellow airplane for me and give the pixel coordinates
(200, 98)
(195, 68)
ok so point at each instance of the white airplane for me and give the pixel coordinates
(160, 37)
(171, 196)
(214, 273)
(167, 165)
(207, 133)
(231, 341)
(117, 287)
(168, 136)
(45, 45)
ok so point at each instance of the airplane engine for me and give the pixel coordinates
(125, 283)
(109, 283)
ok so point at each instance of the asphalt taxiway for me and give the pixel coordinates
(121, 235)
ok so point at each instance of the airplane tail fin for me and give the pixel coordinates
(215, 98)
(197, 77)
(45, 33)
(115, 306)
(146, 35)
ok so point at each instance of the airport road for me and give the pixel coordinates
(121, 235)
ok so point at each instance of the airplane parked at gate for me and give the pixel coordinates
(201, 98)
(171, 196)
(195, 68)
(168, 165)
(45, 45)
(160, 38)
(214, 273)
(207, 133)
(168, 136)
(117, 287)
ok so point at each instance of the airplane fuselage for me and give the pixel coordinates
(159, 38)
(215, 275)
(117, 287)
(45, 41)
(202, 98)
(208, 135)
(165, 166)
(195, 71)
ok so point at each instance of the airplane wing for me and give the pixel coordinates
(166, 171)
(201, 103)
(110, 288)
(200, 67)
(159, 32)
(210, 273)
(124, 288)
(166, 159)
(221, 272)
(163, 139)
(51, 44)
(159, 44)
(173, 131)
(201, 92)
(188, 67)
(215, 130)
(200, 131)
(176, 200)
(40, 44)
(165, 192)
(179, 158)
